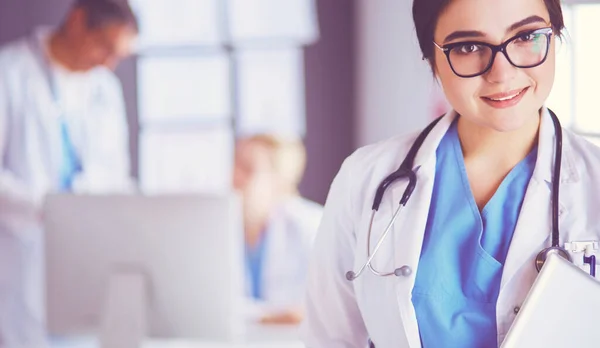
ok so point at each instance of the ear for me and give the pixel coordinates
(434, 68)
(437, 78)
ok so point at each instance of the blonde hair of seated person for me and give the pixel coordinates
(268, 169)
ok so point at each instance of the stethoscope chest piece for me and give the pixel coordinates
(541, 257)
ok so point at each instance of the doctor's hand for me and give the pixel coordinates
(289, 317)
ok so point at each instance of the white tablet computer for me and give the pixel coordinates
(562, 310)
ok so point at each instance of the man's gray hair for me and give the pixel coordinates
(103, 12)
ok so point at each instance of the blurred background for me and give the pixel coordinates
(336, 74)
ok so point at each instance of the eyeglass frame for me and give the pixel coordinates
(548, 31)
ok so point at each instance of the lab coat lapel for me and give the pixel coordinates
(534, 226)
(408, 231)
(47, 119)
(272, 259)
(48, 133)
(532, 231)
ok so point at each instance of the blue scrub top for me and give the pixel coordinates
(460, 269)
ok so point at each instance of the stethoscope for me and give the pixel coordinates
(405, 171)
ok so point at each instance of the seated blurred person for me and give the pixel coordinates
(279, 225)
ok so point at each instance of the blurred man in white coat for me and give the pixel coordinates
(62, 129)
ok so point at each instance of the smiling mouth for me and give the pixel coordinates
(506, 96)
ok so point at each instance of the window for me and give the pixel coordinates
(575, 92)
(271, 90)
(208, 70)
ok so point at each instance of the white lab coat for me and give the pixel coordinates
(30, 146)
(345, 314)
(290, 235)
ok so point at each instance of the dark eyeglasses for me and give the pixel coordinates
(473, 58)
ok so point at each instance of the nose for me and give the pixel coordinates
(502, 70)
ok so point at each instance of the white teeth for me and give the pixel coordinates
(506, 98)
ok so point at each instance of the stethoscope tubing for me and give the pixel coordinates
(406, 171)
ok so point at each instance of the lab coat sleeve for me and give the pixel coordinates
(333, 319)
(16, 198)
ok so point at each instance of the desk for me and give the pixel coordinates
(256, 337)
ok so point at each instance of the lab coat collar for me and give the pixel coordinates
(406, 240)
(408, 233)
(40, 38)
(39, 42)
(427, 152)
(545, 159)
(532, 232)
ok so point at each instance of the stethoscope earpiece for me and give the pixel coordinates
(403, 271)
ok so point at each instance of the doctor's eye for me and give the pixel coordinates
(529, 38)
(467, 49)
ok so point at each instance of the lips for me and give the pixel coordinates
(505, 99)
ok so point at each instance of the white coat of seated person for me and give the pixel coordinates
(279, 226)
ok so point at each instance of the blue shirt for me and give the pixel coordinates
(255, 263)
(70, 161)
(460, 269)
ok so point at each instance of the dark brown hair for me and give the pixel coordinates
(103, 12)
(427, 12)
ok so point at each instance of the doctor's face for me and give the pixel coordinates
(505, 97)
(253, 174)
(104, 46)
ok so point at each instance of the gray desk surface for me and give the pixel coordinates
(257, 337)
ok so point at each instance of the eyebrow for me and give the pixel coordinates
(462, 34)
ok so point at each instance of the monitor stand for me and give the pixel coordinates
(124, 318)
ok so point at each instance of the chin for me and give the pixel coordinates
(509, 119)
(83, 67)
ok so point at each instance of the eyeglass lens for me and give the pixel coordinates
(524, 51)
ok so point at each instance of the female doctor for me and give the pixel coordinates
(459, 257)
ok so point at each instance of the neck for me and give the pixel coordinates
(59, 51)
(253, 232)
(256, 216)
(505, 149)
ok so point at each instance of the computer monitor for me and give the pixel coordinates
(131, 266)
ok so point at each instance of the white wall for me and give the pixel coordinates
(394, 85)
